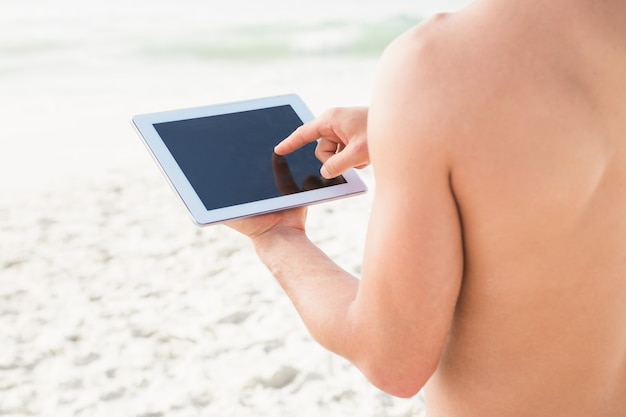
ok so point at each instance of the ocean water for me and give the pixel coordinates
(36, 31)
(73, 72)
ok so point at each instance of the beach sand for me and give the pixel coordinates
(112, 303)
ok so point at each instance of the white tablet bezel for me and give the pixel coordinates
(144, 124)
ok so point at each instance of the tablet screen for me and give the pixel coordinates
(229, 158)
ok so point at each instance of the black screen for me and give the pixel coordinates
(229, 159)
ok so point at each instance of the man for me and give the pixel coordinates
(494, 272)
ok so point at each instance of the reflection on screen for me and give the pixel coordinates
(229, 159)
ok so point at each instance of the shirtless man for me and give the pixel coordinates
(494, 272)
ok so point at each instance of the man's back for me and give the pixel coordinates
(539, 176)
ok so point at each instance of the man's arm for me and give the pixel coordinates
(394, 322)
(413, 261)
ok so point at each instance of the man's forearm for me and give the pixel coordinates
(321, 291)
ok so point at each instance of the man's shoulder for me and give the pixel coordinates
(444, 59)
(456, 73)
(428, 74)
(427, 47)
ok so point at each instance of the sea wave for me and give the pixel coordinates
(285, 40)
(250, 42)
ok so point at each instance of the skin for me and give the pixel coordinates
(494, 272)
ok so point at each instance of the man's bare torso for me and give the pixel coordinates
(539, 175)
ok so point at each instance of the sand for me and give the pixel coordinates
(112, 303)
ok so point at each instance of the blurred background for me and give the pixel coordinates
(73, 72)
(112, 303)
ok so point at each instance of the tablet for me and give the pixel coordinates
(220, 159)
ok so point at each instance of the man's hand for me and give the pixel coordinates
(343, 145)
(257, 226)
(343, 140)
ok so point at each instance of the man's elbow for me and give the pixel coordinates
(398, 379)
